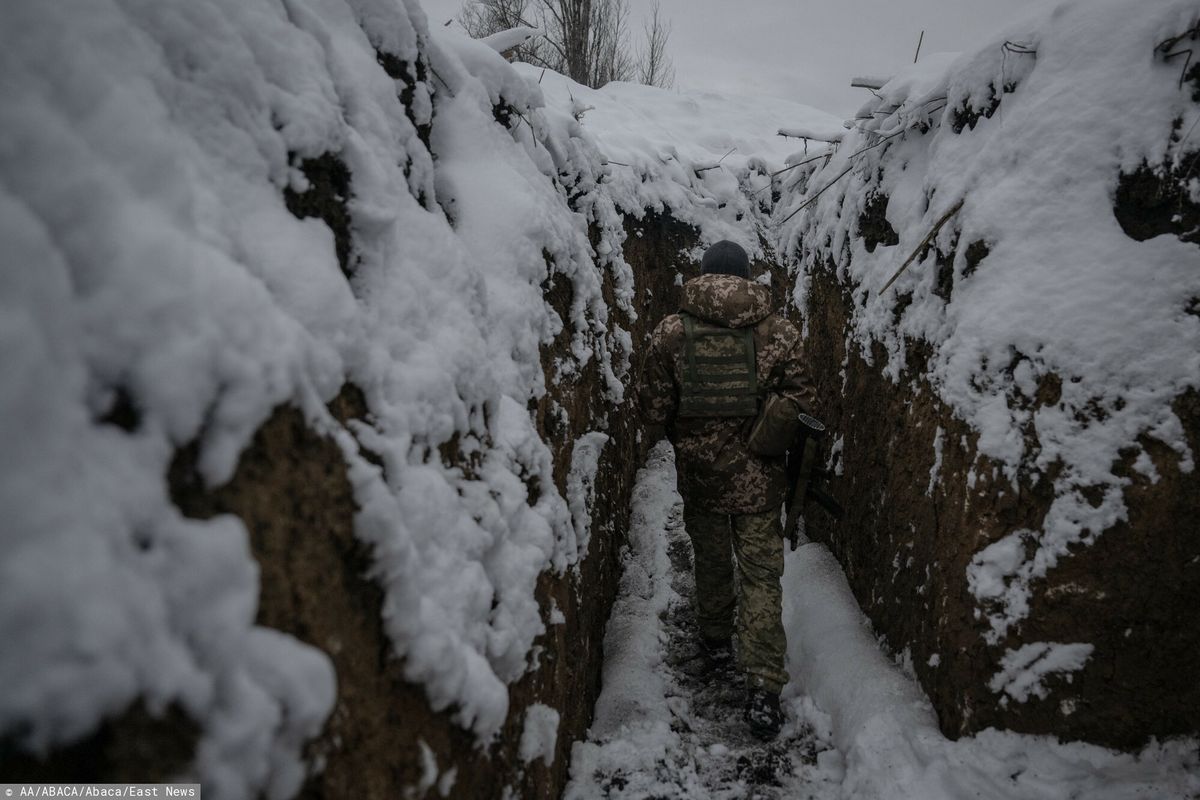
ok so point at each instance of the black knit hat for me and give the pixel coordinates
(726, 258)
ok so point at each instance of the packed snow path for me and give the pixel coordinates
(666, 729)
(667, 726)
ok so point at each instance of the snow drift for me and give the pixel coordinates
(886, 732)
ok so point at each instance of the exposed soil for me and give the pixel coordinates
(122, 412)
(325, 198)
(873, 227)
(966, 117)
(135, 747)
(409, 74)
(1153, 201)
(906, 549)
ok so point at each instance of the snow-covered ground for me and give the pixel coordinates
(706, 157)
(663, 728)
(857, 727)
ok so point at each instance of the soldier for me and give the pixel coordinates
(708, 371)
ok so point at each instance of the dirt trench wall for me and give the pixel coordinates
(292, 493)
(907, 541)
(1002, 327)
(379, 162)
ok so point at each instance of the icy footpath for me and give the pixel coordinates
(857, 727)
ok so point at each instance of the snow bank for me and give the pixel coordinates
(503, 41)
(632, 727)
(632, 646)
(837, 660)
(705, 157)
(1041, 283)
(884, 727)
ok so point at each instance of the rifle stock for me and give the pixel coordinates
(808, 480)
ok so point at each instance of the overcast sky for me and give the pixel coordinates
(807, 50)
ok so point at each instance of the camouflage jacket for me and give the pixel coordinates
(717, 471)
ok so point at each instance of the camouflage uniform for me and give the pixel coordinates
(730, 495)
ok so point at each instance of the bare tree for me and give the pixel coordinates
(588, 40)
(608, 56)
(655, 67)
(482, 19)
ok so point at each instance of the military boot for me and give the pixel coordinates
(709, 659)
(763, 713)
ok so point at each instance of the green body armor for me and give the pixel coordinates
(719, 374)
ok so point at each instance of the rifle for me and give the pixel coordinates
(809, 478)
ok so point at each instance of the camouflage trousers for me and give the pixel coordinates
(756, 542)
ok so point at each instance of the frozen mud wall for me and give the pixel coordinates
(1017, 415)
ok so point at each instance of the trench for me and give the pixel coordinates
(290, 484)
(291, 491)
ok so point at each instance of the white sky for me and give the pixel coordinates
(807, 50)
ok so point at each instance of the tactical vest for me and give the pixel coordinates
(719, 374)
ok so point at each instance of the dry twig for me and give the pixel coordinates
(1167, 48)
(813, 199)
(924, 243)
(714, 166)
